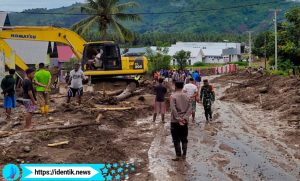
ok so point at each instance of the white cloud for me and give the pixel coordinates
(19, 5)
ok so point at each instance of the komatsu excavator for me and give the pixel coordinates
(110, 64)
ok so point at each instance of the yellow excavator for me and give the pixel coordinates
(112, 63)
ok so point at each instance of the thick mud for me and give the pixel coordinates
(119, 137)
(242, 143)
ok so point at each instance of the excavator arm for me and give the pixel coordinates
(7, 51)
(113, 64)
(45, 33)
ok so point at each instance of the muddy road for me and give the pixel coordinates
(242, 143)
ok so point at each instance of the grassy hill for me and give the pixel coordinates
(236, 20)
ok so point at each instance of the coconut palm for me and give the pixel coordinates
(107, 16)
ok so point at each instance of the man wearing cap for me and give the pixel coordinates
(42, 80)
(75, 82)
(180, 112)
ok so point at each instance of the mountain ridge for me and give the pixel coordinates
(235, 20)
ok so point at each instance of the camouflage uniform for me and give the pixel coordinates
(207, 96)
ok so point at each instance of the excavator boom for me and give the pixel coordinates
(105, 55)
(7, 51)
(45, 33)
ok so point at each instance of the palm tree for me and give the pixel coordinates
(107, 15)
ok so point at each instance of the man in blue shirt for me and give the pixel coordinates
(197, 77)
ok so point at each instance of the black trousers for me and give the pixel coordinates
(207, 108)
(179, 135)
(208, 113)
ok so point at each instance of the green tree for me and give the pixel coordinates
(158, 60)
(289, 36)
(107, 16)
(264, 43)
(181, 58)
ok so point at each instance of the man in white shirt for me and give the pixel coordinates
(75, 82)
(192, 92)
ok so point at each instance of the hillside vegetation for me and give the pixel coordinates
(226, 21)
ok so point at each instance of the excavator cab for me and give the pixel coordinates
(101, 56)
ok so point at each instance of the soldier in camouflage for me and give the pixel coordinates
(207, 96)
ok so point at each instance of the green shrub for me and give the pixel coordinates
(278, 72)
(199, 64)
(240, 63)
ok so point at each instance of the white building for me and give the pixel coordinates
(196, 55)
(208, 52)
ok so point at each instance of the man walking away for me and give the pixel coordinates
(160, 105)
(192, 92)
(180, 113)
(76, 87)
(207, 96)
(42, 80)
(29, 97)
(8, 87)
(196, 76)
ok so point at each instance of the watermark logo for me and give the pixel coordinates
(11, 172)
(83, 172)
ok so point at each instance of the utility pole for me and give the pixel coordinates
(275, 28)
(250, 47)
(265, 54)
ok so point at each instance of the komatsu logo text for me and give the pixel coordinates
(23, 36)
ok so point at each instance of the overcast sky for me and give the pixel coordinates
(19, 5)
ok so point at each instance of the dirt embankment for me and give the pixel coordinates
(118, 136)
(272, 93)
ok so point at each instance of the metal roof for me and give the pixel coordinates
(4, 20)
(174, 49)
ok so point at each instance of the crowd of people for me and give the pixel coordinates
(183, 101)
(36, 88)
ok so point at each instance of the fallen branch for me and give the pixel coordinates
(6, 134)
(114, 93)
(62, 127)
(99, 117)
(127, 92)
(58, 144)
(56, 97)
(112, 108)
(232, 82)
(260, 100)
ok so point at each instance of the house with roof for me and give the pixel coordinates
(65, 53)
(208, 52)
(196, 55)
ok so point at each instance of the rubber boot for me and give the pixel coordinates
(42, 109)
(184, 150)
(178, 151)
(46, 109)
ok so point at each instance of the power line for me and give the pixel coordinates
(160, 13)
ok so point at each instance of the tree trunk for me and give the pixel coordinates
(127, 92)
